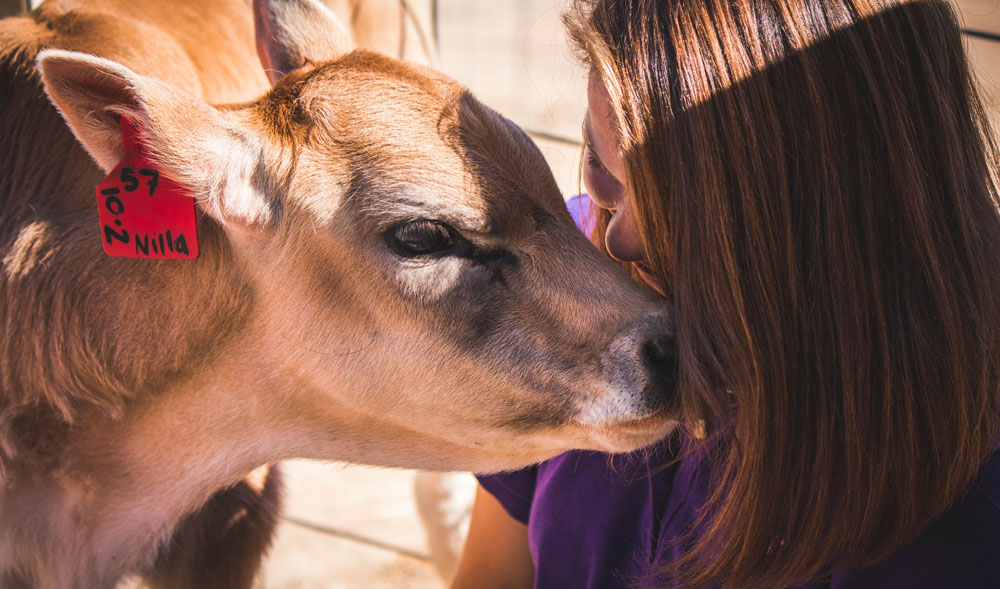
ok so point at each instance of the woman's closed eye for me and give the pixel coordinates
(603, 186)
(595, 163)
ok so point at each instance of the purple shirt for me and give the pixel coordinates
(598, 520)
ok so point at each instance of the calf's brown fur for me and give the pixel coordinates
(387, 275)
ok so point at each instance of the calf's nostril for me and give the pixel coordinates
(659, 355)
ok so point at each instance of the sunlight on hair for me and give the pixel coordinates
(732, 48)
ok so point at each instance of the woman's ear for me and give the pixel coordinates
(289, 32)
(220, 162)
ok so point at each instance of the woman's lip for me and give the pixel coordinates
(649, 277)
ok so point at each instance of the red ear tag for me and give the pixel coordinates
(143, 213)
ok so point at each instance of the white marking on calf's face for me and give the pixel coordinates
(431, 281)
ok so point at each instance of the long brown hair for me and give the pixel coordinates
(815, 181)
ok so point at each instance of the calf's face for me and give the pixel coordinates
(457, 297)
(421, 294)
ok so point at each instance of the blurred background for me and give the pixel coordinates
(357, 527)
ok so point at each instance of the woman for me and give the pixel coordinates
(810, 183)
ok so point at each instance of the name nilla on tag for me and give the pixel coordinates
(143, 213)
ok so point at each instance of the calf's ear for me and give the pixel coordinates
(289, 32)
(193, 143)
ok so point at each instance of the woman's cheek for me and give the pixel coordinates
(590, 183)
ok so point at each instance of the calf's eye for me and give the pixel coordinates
(412, 239)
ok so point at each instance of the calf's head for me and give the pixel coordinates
(421, 294)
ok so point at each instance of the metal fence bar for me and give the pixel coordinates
(344, 534)
(553, 137)
(982, 34)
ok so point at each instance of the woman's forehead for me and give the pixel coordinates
(600, 126)
(599, 102)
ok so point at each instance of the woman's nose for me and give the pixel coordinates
(622, 237)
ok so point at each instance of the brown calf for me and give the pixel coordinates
(387, 274)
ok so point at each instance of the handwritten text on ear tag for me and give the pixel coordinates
(143, 213)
